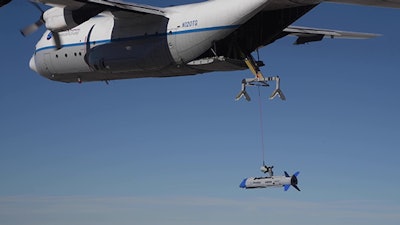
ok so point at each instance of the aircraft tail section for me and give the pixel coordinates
(293, 181)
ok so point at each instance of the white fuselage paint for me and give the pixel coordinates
(197, 26)
(106, 48)
(264, 182)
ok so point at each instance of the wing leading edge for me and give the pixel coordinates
(106, 5)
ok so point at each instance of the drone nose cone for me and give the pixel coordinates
(243, 184)
(32, 64)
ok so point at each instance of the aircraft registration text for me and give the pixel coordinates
(192, 23)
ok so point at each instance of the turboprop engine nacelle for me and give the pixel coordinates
(274, 181)
(61, 19)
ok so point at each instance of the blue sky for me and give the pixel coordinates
(173, 151)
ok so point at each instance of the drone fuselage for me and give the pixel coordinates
(264, 182)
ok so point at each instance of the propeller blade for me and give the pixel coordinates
(34, 3)
(286, 174)
(57, 40)
(35, 26)
(32, 28)
(294, 181)
(295, 186)
(286, 187)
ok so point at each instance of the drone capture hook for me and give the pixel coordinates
(259, 80)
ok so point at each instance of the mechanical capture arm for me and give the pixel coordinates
(259, 80)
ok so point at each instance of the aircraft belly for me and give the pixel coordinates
(168, 71)
(192, 68)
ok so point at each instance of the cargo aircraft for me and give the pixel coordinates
(103, 40)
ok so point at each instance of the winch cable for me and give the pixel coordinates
(261, 126)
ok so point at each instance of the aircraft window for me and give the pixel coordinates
(80, 53)
(66, 55)
(75, 54)
(56, 56)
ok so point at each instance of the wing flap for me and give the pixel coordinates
(307, 34)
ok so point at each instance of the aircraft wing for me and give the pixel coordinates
(281, 4)
(307, 34)
(381, 3)
(112, 5)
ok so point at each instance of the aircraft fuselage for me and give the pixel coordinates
(108, 48)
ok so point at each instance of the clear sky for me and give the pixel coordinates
(173, 151)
